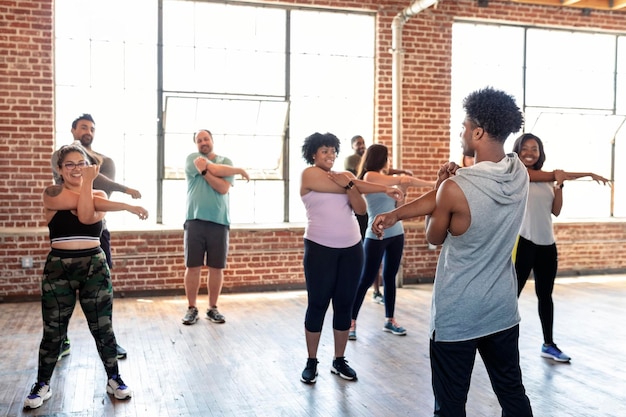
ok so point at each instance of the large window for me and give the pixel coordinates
(261, 78)
(571, 86)
(105, 64)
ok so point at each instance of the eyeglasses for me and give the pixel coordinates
(72, 165)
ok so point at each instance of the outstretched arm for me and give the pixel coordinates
(393, 171)
(403, 181)
(559, 176)
(424, 205)
(57, 197)
(406, 181)
(421, 206)
(365, 187)
(575, 175)
(102, 182)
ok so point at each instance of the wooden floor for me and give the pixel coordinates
(251, 365)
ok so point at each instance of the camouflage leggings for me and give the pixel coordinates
(65, 273)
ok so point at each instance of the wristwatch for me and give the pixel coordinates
(204, 171)
(349, 186)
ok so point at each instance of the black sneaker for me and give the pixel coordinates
(340, 367)
(65, 348)
(121, 352)
(215, 316)
(310, 372)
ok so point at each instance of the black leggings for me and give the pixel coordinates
(331, 274)
(388, 252)
(543, 261)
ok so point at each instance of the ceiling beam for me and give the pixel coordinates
(580, 4)
(619, 4)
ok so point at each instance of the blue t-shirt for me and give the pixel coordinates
(378, 203)
(203, 202)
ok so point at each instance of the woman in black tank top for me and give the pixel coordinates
(76, 265)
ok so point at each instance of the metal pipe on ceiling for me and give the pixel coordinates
(396, 86)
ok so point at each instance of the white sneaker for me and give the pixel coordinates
(39, 393)
(116, 387)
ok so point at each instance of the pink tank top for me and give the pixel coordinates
(330, 220)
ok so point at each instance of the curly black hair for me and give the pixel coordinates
(315, 141)
(519, 142)
(495, 111)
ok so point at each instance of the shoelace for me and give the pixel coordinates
(394, 323)
(341, 361)
(36, 390)
(120, 383)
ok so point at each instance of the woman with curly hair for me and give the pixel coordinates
(333, 254)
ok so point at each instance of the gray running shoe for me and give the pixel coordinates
(215, 316)
(191, 316)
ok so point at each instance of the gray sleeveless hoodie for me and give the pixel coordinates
(475, 290)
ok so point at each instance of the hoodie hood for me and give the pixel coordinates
(505, 182)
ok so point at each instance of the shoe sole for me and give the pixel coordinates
(548, 356)
(121, 355)
(312, 381)
(64, 354)
(113, 392)
(352, 337)
(346, 377)
(216, 320)
(188, 323)
(393, 332)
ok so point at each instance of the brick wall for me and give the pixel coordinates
(149, 261)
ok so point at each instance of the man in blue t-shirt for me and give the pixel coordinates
(209, 178)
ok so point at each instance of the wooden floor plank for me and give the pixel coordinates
(251, 365)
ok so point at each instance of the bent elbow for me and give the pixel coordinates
(435, 242)
(435, 239)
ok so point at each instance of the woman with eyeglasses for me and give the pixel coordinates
(536, 247)
(76, 265)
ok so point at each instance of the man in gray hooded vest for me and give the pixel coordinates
(476, 214)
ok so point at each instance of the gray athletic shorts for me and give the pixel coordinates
(206, 243)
